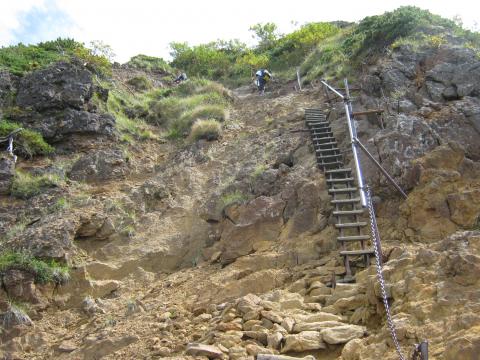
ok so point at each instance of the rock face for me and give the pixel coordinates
(63, 85)
(252, 224)
(100, 166)
(7, 171)
(437, 102)
(53, 101)
(8, 83)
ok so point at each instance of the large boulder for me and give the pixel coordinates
(306, 340)
(50, 238)
(56, 125)
(59, 86)
(456, 75)
(55, 102)
(100, 166)
(251, 226)
(19, 285)
(342, 334)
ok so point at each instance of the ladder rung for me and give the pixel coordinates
(330, 163)
(342, 180)
(348, 212)
(316, 122)
(344, 190)
(357, 252)
(333, 156)
(327, 144)
(326, 150)
(353, 238)
(338, 170)
(316, 138)
(351, 225)
(321, 132)
(345, 201)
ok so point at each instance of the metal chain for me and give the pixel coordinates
(376, 248)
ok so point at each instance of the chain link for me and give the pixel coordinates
(378, 259)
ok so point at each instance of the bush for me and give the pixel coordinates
(140, 83)
(149, 63)
(25, 186)
(327, 60)
(27, 142)
(292, 48)
(44, 271)
(375, 33)
(21, 58)
(206, 129)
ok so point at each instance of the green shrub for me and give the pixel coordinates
(25, 185)
(21, 58)
(375, 33)
(44, 271)
(149, 63)
(206, 129)
(328, 60)
(27, 142)
(140, 83)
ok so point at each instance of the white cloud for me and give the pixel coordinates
(148, 26)
(9, 19)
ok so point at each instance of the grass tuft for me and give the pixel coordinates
(25, 185)
(206, 129)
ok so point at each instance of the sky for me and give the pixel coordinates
(134, 27)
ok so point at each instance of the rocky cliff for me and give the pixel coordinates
(224, 249)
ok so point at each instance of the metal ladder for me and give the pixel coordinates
(350, 201)
(345, 194)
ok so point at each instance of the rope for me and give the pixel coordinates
(378, 259)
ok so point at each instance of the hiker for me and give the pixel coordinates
(262, 77)
(181, 77)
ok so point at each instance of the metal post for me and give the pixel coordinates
(353, 135)
(298, 79)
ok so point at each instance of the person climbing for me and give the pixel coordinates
(181, 77)
(262, 77)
